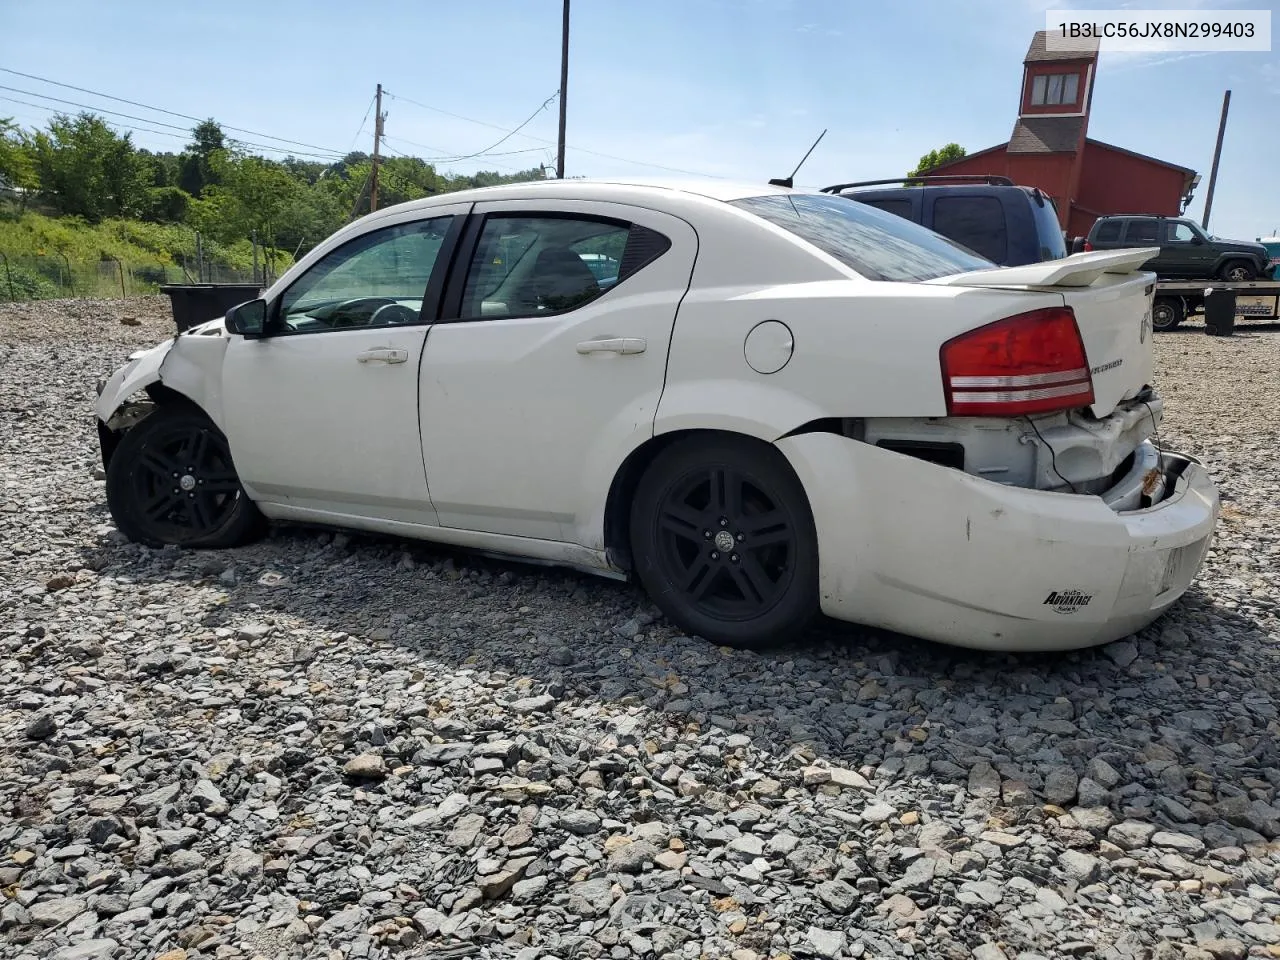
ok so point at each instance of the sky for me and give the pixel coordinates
(729, 88)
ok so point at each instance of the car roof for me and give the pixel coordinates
(664, 190)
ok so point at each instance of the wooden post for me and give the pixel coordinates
(564, 83)
(1217, 155)
(377, 140)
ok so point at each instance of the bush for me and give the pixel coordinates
(20, 283)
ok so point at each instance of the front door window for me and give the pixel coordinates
(377, 280)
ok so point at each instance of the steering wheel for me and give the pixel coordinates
(393, 313)
(354, 306)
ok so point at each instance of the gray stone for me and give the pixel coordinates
(632, 857)
(984, 781)
(591, 898)
(1080, 867)
(837, 895)
(243, 863)
(101, 948)
(539, 704)
(206, 798)
(877, 812)
(1060, 786)
(1103, 773)
(1122, 652)
(826, 943)
(582, 822)
(55, 913)
(1183, 843)
(366, 766)
(41, 727)
(1131, 834)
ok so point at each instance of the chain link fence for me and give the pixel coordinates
(54, 276)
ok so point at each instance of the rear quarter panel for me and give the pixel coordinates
(861, 349)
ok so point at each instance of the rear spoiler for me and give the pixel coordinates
(1077, 270)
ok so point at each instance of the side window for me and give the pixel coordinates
(976, 222)
(378, 279)
(900, 208)
(528, 266)
(1142, 231)
(1178, 233)
(1109, 232)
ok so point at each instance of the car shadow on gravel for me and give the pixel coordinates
(1166, 726)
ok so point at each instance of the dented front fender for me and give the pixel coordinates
(190, 364)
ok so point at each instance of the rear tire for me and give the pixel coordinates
(1167, 313)
(1238, 271)
(724, 541)
(171, 481)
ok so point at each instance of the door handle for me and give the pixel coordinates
(383, 355)
(623, 345)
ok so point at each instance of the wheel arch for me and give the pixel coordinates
(617, 512)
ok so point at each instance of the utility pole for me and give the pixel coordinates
(564, 82)
(1217, 154)
(377, 140)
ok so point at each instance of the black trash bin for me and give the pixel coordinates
(1219, 312)
(196, 303)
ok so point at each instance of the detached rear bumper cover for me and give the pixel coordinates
(937, 553)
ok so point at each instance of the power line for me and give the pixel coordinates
(488, 153)
(172, 113)
(546, 103)
(134, 128)
(529, 136)
(367, 111)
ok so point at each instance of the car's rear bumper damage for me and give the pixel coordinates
(938, 553)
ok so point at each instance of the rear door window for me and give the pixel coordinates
(1109, 232)
(976, 222)
(875, 244)
(1142, 231)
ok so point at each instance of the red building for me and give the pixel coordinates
(1051, 149)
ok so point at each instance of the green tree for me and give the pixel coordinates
(88, 170)
(17, 163)
(196, 169)
(935, 158)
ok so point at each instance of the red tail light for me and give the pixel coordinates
(1087, 246)
(1030, 363)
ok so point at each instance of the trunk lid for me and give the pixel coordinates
(1112, 302)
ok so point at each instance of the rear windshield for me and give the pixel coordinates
(878, 245)
(1053, 246)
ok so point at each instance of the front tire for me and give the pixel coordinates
(724, 541)
(171, 481)
(1238, 271)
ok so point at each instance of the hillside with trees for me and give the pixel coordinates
(78, 193)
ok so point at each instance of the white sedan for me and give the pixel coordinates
(778, 404)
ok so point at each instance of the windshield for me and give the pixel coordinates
(876, 244)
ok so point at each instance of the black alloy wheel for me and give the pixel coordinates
(724, 541)
(172, 481)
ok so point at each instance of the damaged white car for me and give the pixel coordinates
(763, 404)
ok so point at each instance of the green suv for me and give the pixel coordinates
(1186, 251)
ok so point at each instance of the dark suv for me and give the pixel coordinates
(1186, 251)
(1008, 224)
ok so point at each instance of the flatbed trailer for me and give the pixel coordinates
(1176, 300)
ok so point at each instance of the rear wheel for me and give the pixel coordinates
(1167, 313)
(724, 541)
(171, 481)
(1238, 271)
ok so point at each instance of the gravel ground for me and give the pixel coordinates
(331, 746)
